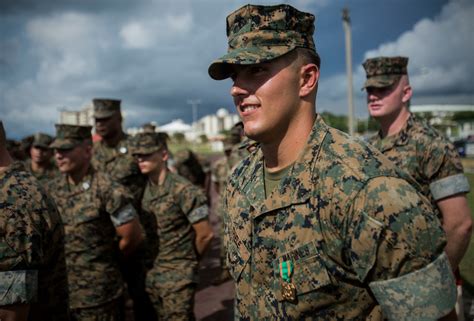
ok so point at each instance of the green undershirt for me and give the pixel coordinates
(272, 180)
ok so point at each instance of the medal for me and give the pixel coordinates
(86, 186)
(288, 289)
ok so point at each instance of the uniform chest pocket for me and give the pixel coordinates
(308, 273)
(86, 213)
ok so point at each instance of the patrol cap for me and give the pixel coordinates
(41, 140)
(384, 71)
(69, 136)
(147, 143)
(105, 107)
(261, 33)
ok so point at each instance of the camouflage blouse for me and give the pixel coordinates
(330, 239)
(428, 156)
(90, 211)
(32, 261)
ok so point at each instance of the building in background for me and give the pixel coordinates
(441, 117)
(85, 116)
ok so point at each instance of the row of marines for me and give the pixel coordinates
(126, 217)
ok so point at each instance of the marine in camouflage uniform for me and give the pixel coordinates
(112, 156)
(182, 231)
(41, 163)
(419, 149)
(32, 261)
(95, 210)
(343, 235)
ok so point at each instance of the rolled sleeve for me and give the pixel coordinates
(198, 214)
(449, 186)
(426, 294)
(18, 287)
(123, 215)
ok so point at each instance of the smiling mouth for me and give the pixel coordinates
(247, 108)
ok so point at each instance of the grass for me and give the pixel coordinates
(467, 264)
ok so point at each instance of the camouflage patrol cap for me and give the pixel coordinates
(104, 107)
(41, 140)
(69, 136)
(147, 143)
(384, 71)
(261, 33)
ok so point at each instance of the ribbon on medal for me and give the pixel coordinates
(288, 289)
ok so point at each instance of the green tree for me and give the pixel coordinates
(179, 138)
(336, 121)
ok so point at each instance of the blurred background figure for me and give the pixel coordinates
(41, 163)
(182, 233)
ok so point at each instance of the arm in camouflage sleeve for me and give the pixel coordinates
(193, 203)
(124, 217)
(448, 186)
(397, 248)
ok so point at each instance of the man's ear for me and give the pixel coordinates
(407, 93)
(309, 79)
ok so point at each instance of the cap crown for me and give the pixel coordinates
(280, 25)
(385, 66)
(104, 107)
(42, 140)
(75, 132)
(147, 143)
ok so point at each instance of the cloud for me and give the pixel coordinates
(140, 34)
(440, 51)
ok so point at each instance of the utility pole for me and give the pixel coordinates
(194, 105)
(346, 21)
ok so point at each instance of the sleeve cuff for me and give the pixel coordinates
(449, 186)
(198, 214)
(425, 294)
(18, 287)
(123, 215)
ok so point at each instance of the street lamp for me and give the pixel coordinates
(346, 20)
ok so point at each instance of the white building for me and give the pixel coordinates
(213, 125)
(441, 119)
(85, 116)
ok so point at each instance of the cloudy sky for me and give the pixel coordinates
(154, 54)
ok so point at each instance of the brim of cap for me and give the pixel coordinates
(222, 67)
(144, 150)
(64, 143)
(381, 81)
(103, 114)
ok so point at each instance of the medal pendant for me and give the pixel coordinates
(288, 291)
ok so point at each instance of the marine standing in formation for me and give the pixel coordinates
(33, 279)
(41, 163)
(95, 211)
(112, 156)
(419, 149)
(182, 228)
(342, 235)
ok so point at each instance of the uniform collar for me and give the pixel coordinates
(295, 187)
(399, 139)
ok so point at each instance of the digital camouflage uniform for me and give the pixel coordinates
(350, 226)
(417, 148)
(50, 171)
(176, 204)
(91, 211)
(32, 261)
(428, 156)
(344, 236)
(119, 163)
(46, 174)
